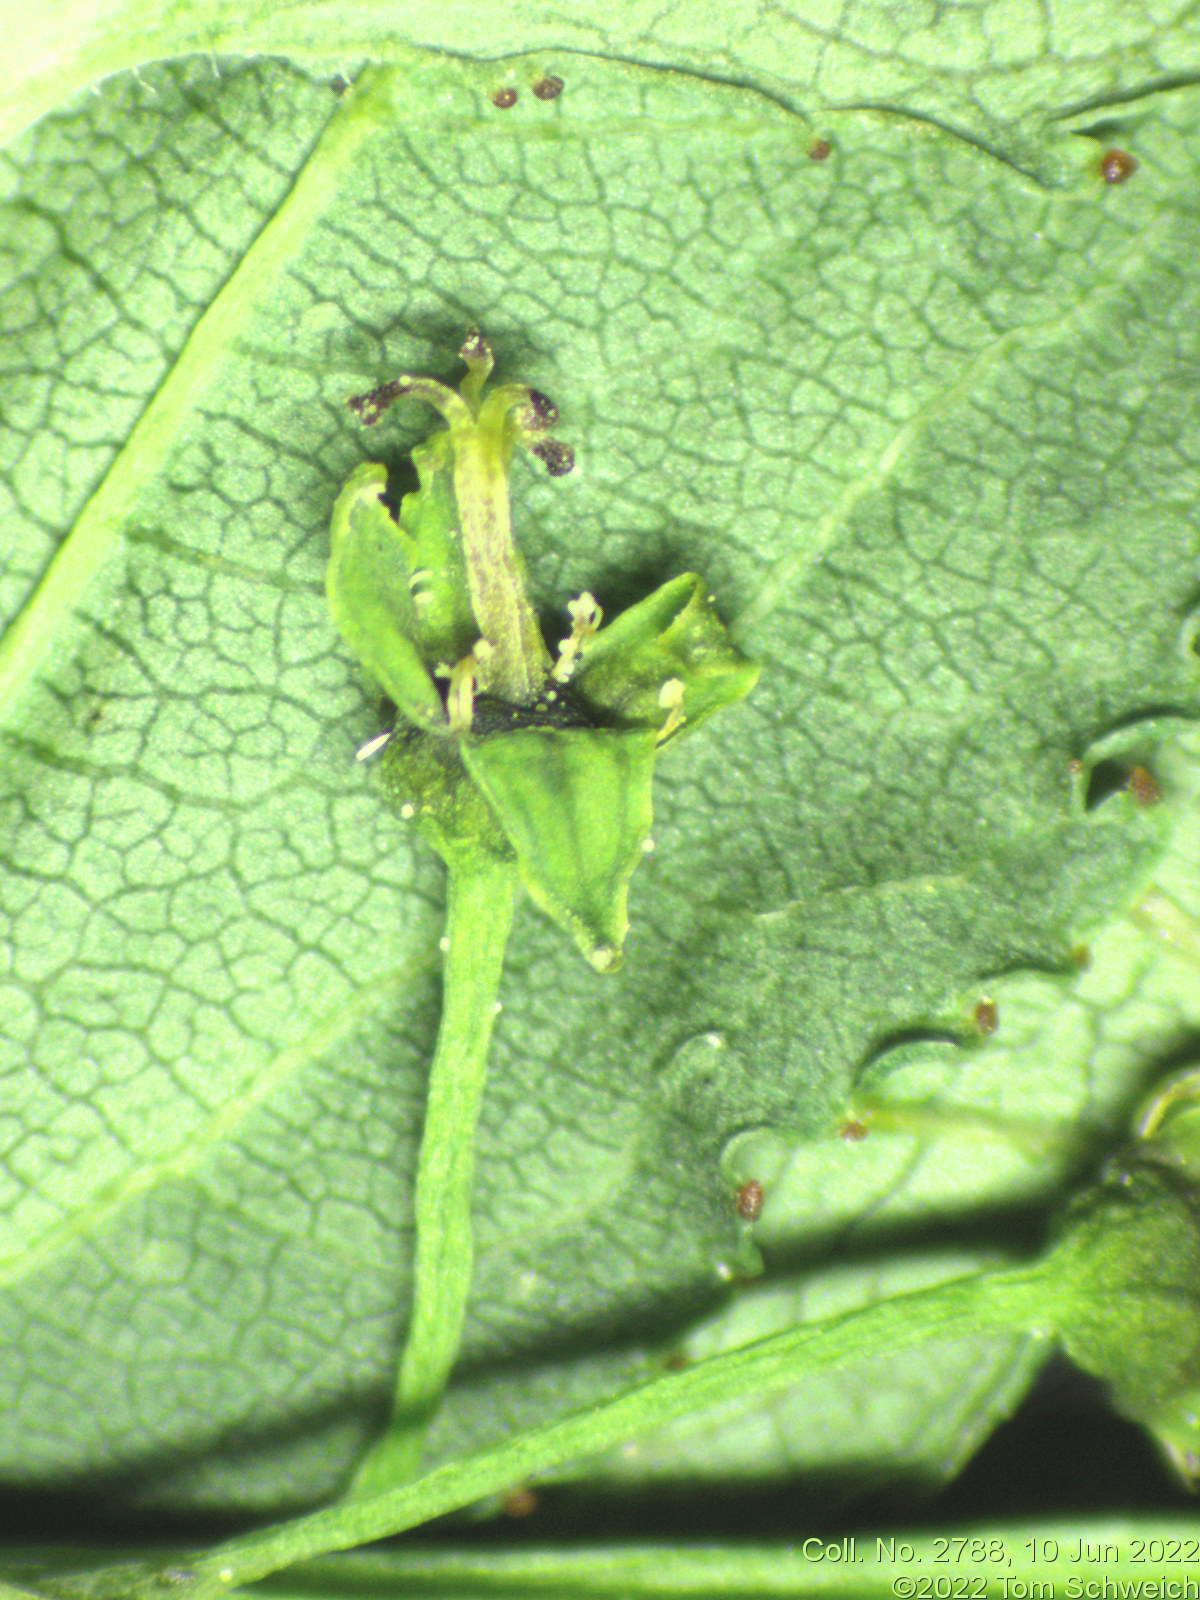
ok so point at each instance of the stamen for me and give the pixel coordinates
(585, 621)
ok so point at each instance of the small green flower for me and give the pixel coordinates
(499, 748)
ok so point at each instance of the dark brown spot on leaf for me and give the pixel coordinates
(1116, 166)
(986, 1016)
(1142, 788)
(749, 1202)
(504, 99)
(820, 150)
(852, 1130)
(548, 88)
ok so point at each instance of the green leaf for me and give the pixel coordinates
(921, 412)
(992, 73)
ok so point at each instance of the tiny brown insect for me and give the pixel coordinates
(819, 150)
(986, 1016)
(852, 1130)
(1116, 166)
(504, 99)
(749, 1202)
(548, 88)
(1143, 790)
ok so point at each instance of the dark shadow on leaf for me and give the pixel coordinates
(1064, 1452)
(1014, 1232)
(1110, 130)
(901, 1042)
(104, 1505)
(1065, 966)
(662, 555)
(1145, 89)
(1106, 779)
(1151, 717)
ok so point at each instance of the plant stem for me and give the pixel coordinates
(479, 909)
(1012, 1302)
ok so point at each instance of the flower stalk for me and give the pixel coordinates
(515, 770)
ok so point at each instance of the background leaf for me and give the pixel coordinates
(987, 71)
(922, 409)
